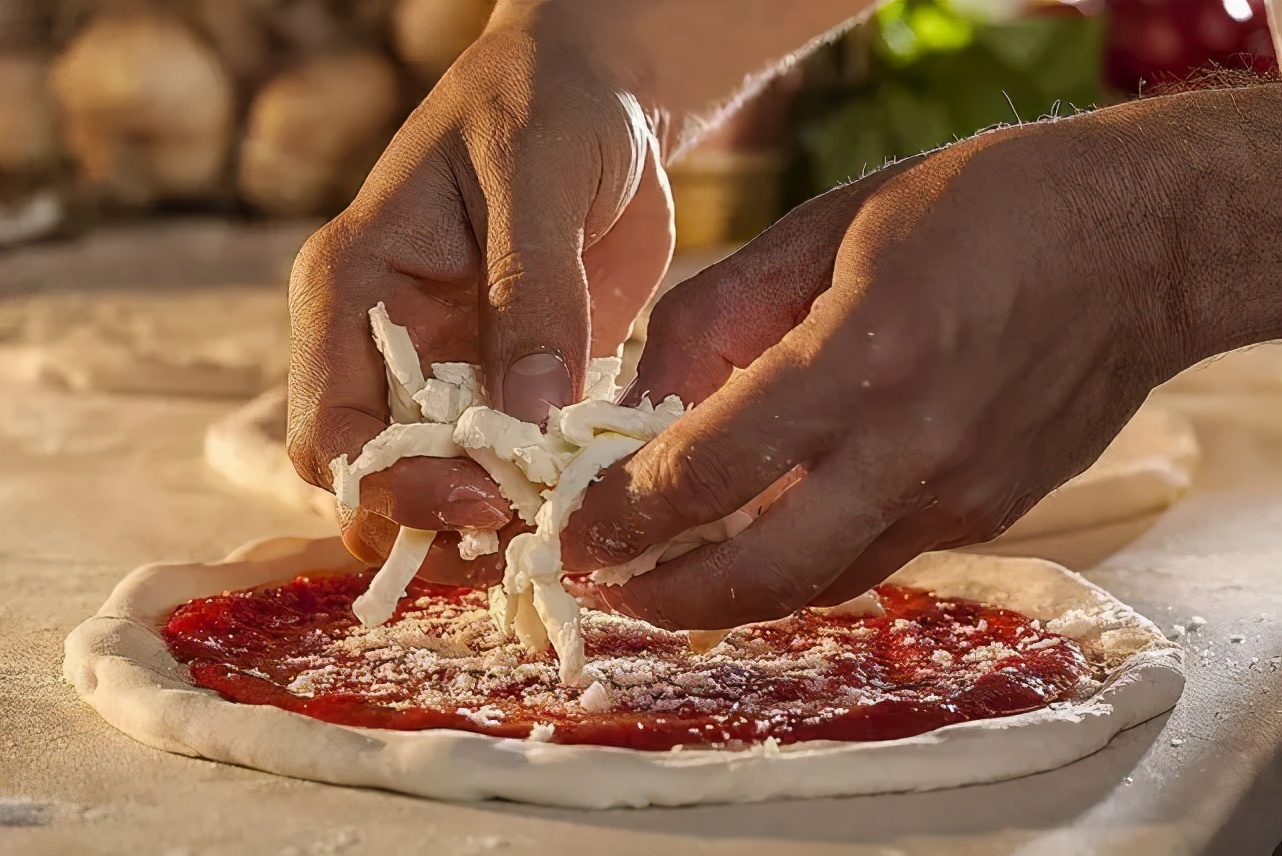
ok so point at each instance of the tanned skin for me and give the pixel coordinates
(924, 353)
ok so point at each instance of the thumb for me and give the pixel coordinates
(548, 194)
(535, 328)
(728, 315)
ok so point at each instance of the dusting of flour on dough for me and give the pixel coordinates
(490, 676)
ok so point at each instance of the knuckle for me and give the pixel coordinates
(657, 610)
(367, 536)
(301, 448)
(609, 542)
(677, 314)
(307, 265)
(316, 435)
(694, 483)
(897, 357)
(505, 272)
(776, 592)
(544, 270)
(980, 515)
(324, 245)
(328, 259)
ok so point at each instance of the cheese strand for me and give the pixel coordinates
(445, 416)
(387, 588)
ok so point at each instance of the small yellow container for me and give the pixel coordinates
(725, 197)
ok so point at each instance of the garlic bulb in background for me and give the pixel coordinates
(29, 141)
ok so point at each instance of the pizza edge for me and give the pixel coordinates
(118, 664)
(1148, 468)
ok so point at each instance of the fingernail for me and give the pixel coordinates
(474, 504)
(472, 514)
(535, 383)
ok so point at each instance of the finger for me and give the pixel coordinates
(626, 265)
(776, 566)
(535, 210)
(894, 548)
(726, 316)
(976, 511)
(534, 315)
(338, 394)
(337, 384)
(366, 535)
(435, 493)
(777, 414)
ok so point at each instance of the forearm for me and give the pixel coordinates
(1225, 168)
(688, 61)
(1186, 214)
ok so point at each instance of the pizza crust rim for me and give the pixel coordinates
(241, 448)
(1148, 468)
(118, 663)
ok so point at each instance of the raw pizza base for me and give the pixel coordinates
(119, 664)
(1147, 468)
(1253, 369)
(247, 447)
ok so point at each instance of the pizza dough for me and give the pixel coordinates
(247, 447)
(119, 664)
(1254, 369)
(1147, 468)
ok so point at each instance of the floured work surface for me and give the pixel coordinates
(229, 343)
(118, 312)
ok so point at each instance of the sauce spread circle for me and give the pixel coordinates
(441, 663)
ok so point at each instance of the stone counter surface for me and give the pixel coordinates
(92, 486)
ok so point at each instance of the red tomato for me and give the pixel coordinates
(1155, 41)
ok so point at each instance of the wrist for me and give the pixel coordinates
(686, 63)
(1181, 208)
(1223, 174)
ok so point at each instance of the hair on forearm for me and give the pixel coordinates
(1211, 77)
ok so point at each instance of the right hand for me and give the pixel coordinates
(924, 354)
(520, 219)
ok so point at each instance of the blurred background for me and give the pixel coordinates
(257, 110)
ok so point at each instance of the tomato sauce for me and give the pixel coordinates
(925, 663)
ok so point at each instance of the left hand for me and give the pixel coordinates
(520, 220)
(933, 349)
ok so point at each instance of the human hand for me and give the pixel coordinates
(931, 351)
(520, 220)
